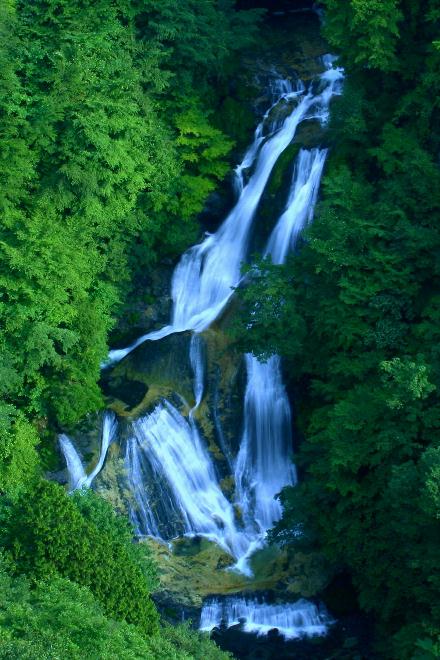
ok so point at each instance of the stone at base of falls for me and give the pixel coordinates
(195, 568)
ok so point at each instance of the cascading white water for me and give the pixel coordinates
(204, 278)
(75, 468)
(176, 457)
(280, 90)
(142, 516)
(170, 473)
(196, 359)
(77, 474)
(166, 448)
(300, 205)
(264, 465)
(292, 620)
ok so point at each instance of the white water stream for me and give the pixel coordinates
(300, 206)
(292, 620)
(77, 474)
(264, 462)
(178, 457)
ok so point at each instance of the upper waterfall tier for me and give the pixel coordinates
(300, 205)
(207, 273)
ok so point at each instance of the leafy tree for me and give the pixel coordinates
(59, 619)
(367, 30)
(19, 462)
(51, 534)
(104, 156)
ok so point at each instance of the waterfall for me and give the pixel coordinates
(263, 465)
(300, 206)
(203, 280)
(196, 359)
(189, 490)
(280, 90)
(170, 471)
(75, 468)
(145, 520)
(292, 620)
(77, 474)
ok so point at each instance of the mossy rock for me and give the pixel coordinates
(154, 370)
(295, 42)
(227, 486)
(281, 176)
(193, 569)
(226, 383)
(186, 578)
(111, 482)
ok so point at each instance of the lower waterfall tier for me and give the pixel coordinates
(292, 620)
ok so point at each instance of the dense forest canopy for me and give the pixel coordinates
(113, 132)
(356, 314)
(108, 152)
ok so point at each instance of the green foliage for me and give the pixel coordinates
(198, 40)
(18, 456)
(367, 30)
(191, 645)
(203, 149)
(47, 533)
(265, 307)
(356, 315)
(107, 156)
(59, 619)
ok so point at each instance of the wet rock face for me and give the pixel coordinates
(193, 569)
(226, 383)
(149, 307)
(159, 370)
(154, 370)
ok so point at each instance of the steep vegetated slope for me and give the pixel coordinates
(356, 313)
(109, 149)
